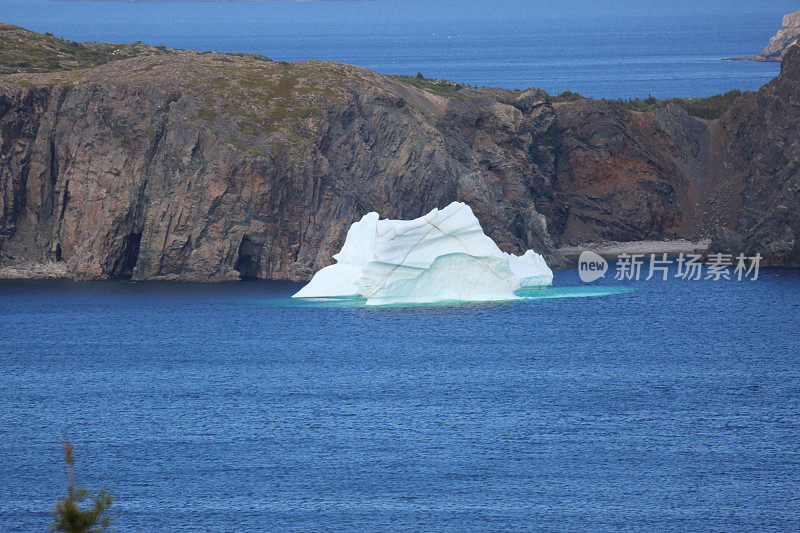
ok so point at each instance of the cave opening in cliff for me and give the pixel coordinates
(128, 255)
(248, 259)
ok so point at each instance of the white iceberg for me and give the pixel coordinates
(442, 256)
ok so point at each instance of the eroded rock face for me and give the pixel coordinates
(780, 42)
(134, 169)
(212, 166)
(619, 174)
(763, 146)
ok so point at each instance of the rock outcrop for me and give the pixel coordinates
(203, 166)
(762, 149)
(780, 43)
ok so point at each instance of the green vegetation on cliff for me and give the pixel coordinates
(709, 108)
(440, 87)
(566, 96)
(26, 51)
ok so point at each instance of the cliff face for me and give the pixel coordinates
(215, 166)
(780, 42)
(762, 146)
(625, 175)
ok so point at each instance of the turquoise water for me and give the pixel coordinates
(603, 49)
(674, 406)
(524, 295)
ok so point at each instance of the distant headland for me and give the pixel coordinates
(780, 42)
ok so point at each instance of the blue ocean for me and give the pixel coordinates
(660, 406)
(619, 49)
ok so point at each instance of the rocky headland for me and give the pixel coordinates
(779, 43)
(158, 164)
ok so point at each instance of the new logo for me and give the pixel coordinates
(591, 266)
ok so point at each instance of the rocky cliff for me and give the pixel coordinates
(762, 153)
(204, 166)
(780, 43)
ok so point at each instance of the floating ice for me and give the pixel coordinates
(442, 256)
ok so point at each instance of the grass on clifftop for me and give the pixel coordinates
(26, 51)
(711, 107)
(439, 87)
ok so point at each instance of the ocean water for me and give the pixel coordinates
(621, 49)
(674, 406)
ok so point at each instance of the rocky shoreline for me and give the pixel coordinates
(610, 250)
(177, 165)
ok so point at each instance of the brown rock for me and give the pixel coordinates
(203, 167)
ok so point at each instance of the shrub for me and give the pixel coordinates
(567, 96)
(70, 515)
(709, 108)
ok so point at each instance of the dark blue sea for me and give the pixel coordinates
(228, 407)
(620, 49)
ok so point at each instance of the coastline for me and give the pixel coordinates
(608, 250)
(611, 249)
(759, 59)
(276, 159)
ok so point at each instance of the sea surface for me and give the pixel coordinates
(621, 49)
(669, 406)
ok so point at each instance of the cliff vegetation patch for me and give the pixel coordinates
(26, 51)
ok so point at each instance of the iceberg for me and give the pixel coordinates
(440, 257)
